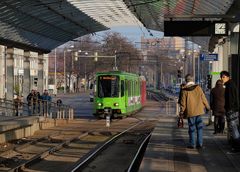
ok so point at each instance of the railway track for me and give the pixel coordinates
(59, 149)
(123, 152)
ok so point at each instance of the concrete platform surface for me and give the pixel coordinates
(167, 150)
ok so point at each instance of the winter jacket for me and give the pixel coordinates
(217, 100)
(231, 96)
(193, 101)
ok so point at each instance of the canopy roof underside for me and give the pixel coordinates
(42, 25)
(152, 13)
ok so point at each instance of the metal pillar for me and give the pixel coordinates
(2, 73)
(10, 74)
(26, 77)
(55, 72)
(64, 71)
(40, 73)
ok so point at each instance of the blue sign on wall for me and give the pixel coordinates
(209, 57)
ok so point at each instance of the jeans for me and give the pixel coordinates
(195, 123)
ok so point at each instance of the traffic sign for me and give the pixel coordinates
(209, 57)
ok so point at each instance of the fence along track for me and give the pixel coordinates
(47, 109)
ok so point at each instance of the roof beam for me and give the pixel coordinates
(194, 16)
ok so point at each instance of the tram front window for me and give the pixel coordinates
(108, 86)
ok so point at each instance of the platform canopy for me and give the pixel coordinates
(42, 25)
(152, 13)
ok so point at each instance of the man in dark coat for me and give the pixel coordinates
(232, 108)
(217, 102)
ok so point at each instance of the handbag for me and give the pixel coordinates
(233, 124)
(180, 122)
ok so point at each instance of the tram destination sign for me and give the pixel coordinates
(209, 57)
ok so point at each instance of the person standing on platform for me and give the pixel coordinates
(30, 102)
(192, 105)
(217, 102)
(232, 111)
(46, 101)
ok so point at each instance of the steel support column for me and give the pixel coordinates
(26, 77)
(10, 73)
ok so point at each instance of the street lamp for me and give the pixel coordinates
(64, 67)
(55, 72)
(64, 70)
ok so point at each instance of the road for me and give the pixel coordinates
(80, 102)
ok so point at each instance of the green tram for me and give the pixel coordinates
(118, 94)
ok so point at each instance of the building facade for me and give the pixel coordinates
(21, 71)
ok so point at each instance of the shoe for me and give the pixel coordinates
(200, 147)
(191, 147)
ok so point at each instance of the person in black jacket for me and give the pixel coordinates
(232, 110)
(217, 102)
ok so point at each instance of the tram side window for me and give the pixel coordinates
(129, 89)
(137, 88)
(134, 88)
(122, 88)
(126, 87)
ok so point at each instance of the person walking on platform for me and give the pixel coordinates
(39, 101)
(232, 111)
(217, 102)
(192, 105)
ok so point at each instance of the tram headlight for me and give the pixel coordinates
(116, 104)
(100, 104)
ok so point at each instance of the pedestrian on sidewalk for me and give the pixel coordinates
(232, 111)
(192, 105)
(217, 102)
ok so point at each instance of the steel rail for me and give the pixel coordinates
(93, 154)
(130, 168)
(46, 153)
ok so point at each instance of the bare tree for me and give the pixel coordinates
(115, 44)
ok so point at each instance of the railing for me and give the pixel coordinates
(39, 108)
(169, 105)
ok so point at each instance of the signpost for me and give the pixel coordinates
(209, 57)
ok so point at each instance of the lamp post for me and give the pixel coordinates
(55, 72)
(64, 70)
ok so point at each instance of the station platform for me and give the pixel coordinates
(15, 127)
(167, 150)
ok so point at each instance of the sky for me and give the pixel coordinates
(134, 33)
